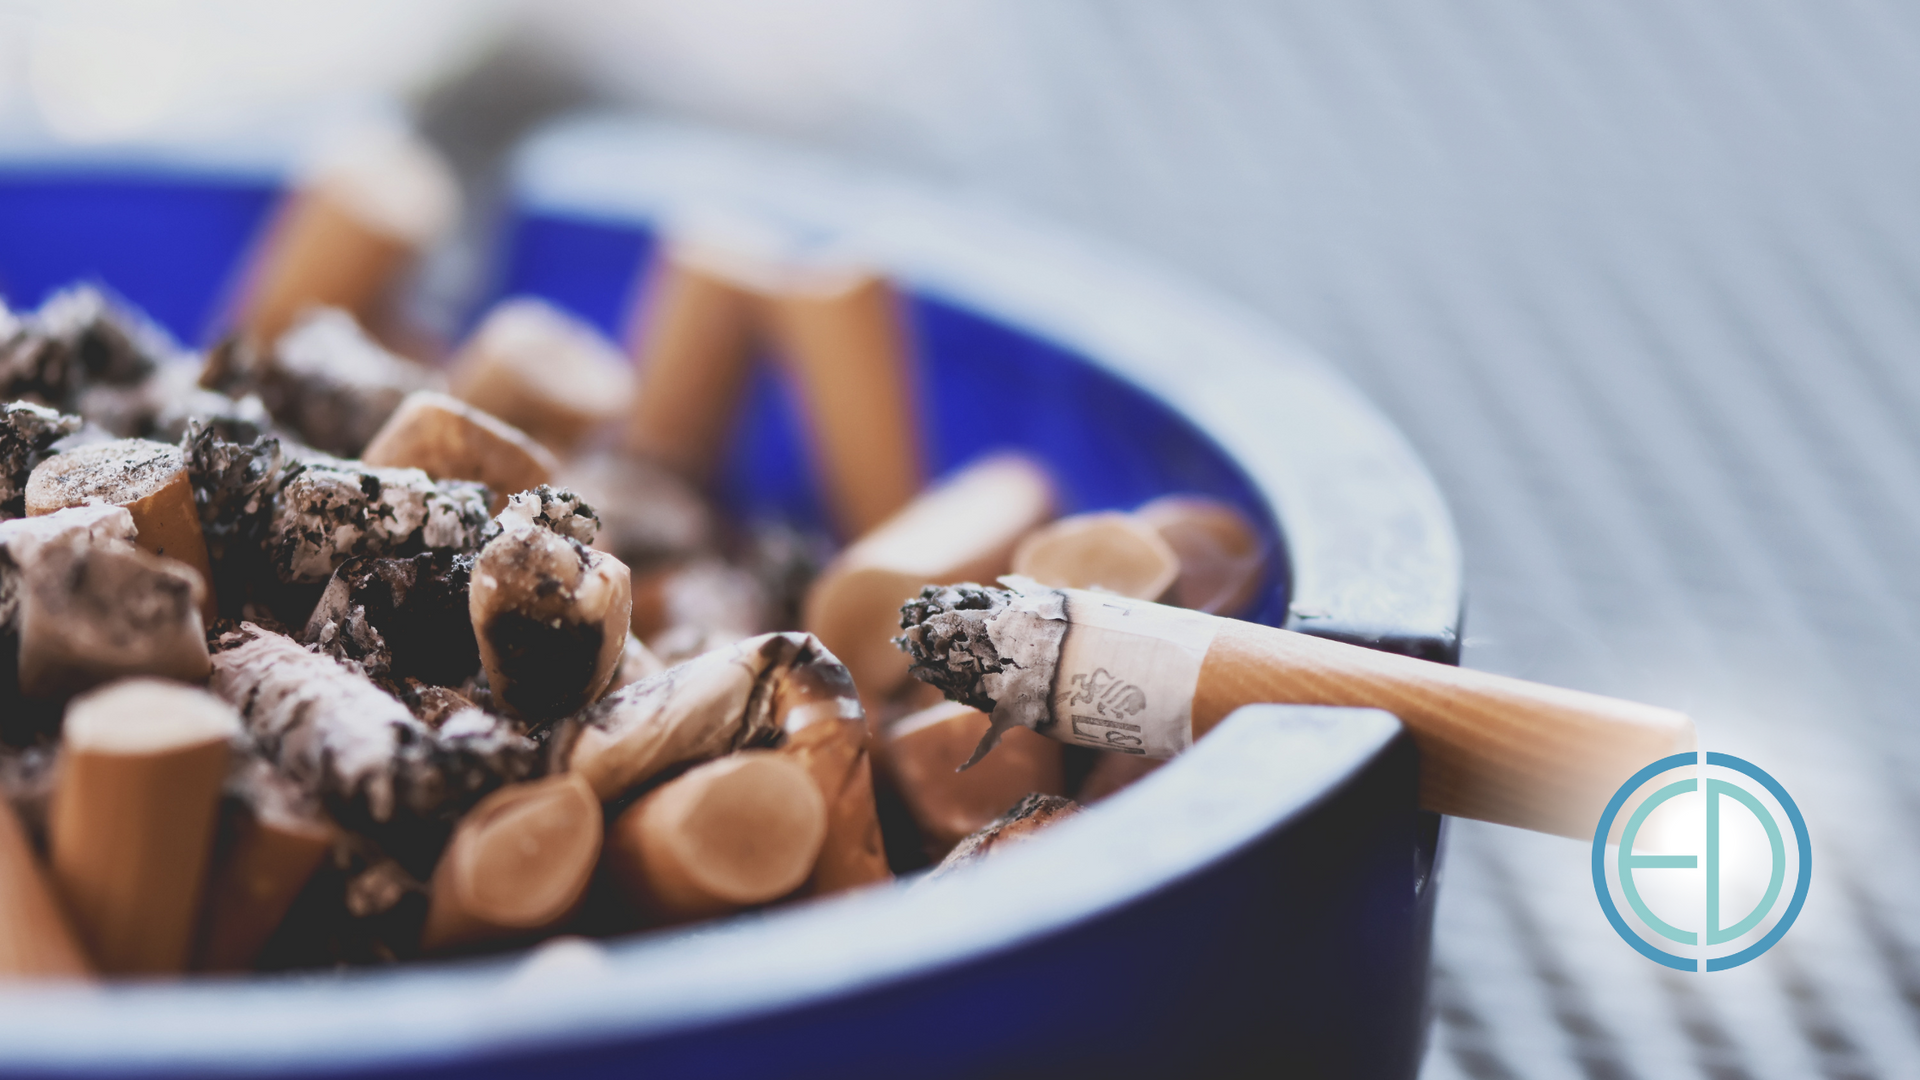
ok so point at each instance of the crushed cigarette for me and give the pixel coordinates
(328, 511)
(328, 381)
(27, 433)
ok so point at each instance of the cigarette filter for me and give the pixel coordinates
(142, 764)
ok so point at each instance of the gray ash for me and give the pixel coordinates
(27, 434)
(329, 511)
(946, 639)
(400, 619)
(79, 337)
(325, 379)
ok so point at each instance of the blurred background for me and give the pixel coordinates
(1638, 279)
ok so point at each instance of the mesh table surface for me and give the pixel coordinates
(1639, 279)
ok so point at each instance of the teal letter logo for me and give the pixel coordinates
(1724, 787)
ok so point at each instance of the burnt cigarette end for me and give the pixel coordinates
(1027, 817)
(550, 613)
(27, 434)
(399, 619)
(334, 385)
(329, 511)
(945, 640)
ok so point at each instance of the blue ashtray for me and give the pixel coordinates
(1264, 904)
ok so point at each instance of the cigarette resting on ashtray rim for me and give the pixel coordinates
(1100, 670)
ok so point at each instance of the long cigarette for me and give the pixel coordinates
(519, 863)
(922, 754)
(277, 839)
(149, 479)
(1119, 674)
(743, 830)
(450, 440)
(369, 207)
(694, 355)
(36, 939)
(843, 334)
(543, 371)
(142, 764)
(964, 529)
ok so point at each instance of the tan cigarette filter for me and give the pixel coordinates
(543, 371)
(450, 440)
(372, 203)
(963, 529)
(1222, 559)
(36, 940)
(693, 347)
(826, 733)
(276, 841)
(519, 864)
(743, 830)
(149, 479)
(132, 820)
(843, 336)
(1112, 551)
(922, 754)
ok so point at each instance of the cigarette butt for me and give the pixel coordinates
(142, 764)
(451, 440)
(826, 733)
(963, 529)
(518, 864)
(550, 614)
(842, 334)
(275, 844)
(693, 354)
(36, 940)
(1028, 816)
(1121, 674)
(543, 371)
(368, 209)
(1112, 773)
(150, 480)
(89, 614)
(743, 830)
(332, 383)
(1222, 560)
(922, 754)
(1112, 551)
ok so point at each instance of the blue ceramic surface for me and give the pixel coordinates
(1263, 904)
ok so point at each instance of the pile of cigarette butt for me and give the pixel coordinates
(313, 654)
